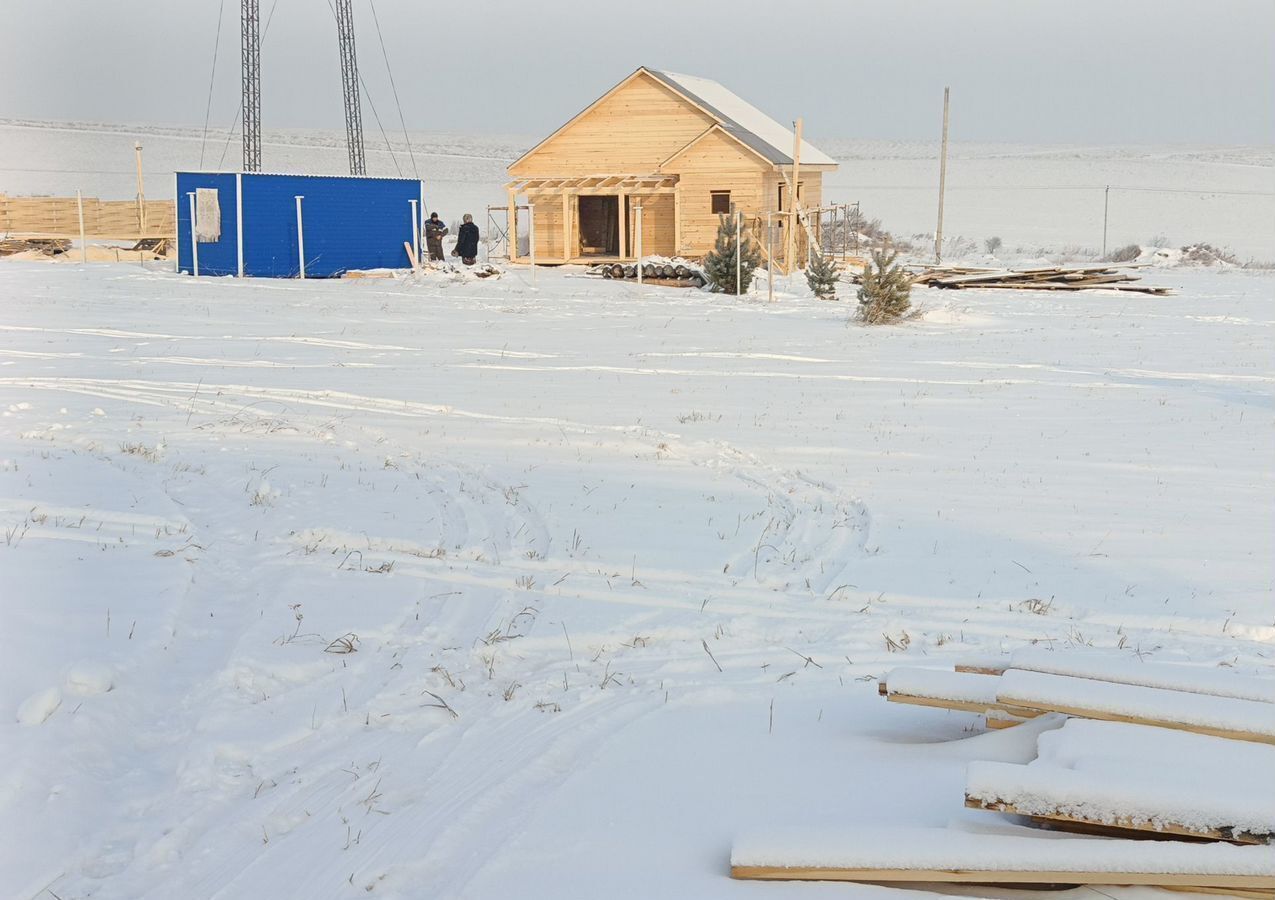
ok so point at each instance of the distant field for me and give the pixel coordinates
(1035, 197)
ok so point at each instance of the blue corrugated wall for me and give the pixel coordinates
(349, 223)
(216, 258)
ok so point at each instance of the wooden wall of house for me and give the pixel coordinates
(716, 163)
(632, 132)
(548, 227)
(658, 227)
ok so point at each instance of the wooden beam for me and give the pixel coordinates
(677, 219)
(566, 223)
(1035, 708)
(623, 201)
(790, 249)
(996, 876)
(961, 705)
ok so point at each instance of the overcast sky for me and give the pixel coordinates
(1068, 71)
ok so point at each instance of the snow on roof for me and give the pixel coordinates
(743, 120)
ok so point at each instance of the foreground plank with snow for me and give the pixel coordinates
(943, 855)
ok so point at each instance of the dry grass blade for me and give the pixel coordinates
(346, 643)
(711, 656)
(441, 704)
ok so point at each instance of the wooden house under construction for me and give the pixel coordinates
(685, 150)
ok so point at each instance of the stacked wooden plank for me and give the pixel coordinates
(1124, 750)
(1049, 278)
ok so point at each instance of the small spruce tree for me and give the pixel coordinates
(822, 275)
(719, 264)
(884, 294)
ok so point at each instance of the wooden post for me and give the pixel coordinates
(739, 252)
(300, 239)
(194, 238)
(1106, 198)
(141, 193)
(677, 218)
(791, 246)
(416, 233)
(531, 238)
(623, 200)
(84, 252)
(637, 215)
(770, 261)
(566, 225)
(938, 233)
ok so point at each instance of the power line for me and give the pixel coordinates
(394, 88)
(221, 8)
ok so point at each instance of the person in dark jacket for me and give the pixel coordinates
(467, 242)
(434, 232)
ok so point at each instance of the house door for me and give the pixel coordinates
(599, 219)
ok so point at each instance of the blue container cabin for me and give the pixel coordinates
(348, 222)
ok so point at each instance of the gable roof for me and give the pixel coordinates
(742, 120)
(715, 128)
(737, 117)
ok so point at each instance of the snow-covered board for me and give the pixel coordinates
(1124, 797)
(1229, 717)
(948, 690)
(919, 854)
(1121, 668)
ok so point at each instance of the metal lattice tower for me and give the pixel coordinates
(250, 57)
(350, 84)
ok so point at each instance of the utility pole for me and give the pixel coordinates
(141, 192)
(1106, 197)
(350, 86)
(250, 64)
(938, 232)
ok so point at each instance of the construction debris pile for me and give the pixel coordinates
(673, 271)
(1052, 278)
(1134, 773)
(33, 247)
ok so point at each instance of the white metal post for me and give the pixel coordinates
(194, 238)
(739, 252)
(531, 238)
(239, 221)
(300, 238)
(84, 250)
(416, 231)
(638, 227)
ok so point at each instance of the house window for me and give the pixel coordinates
(720, 202)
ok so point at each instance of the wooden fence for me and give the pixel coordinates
(58, 217)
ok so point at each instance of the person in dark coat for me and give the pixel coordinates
(434, 232)
(467, 242)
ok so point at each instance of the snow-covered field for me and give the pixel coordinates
(449, 588)
(1035, 197)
